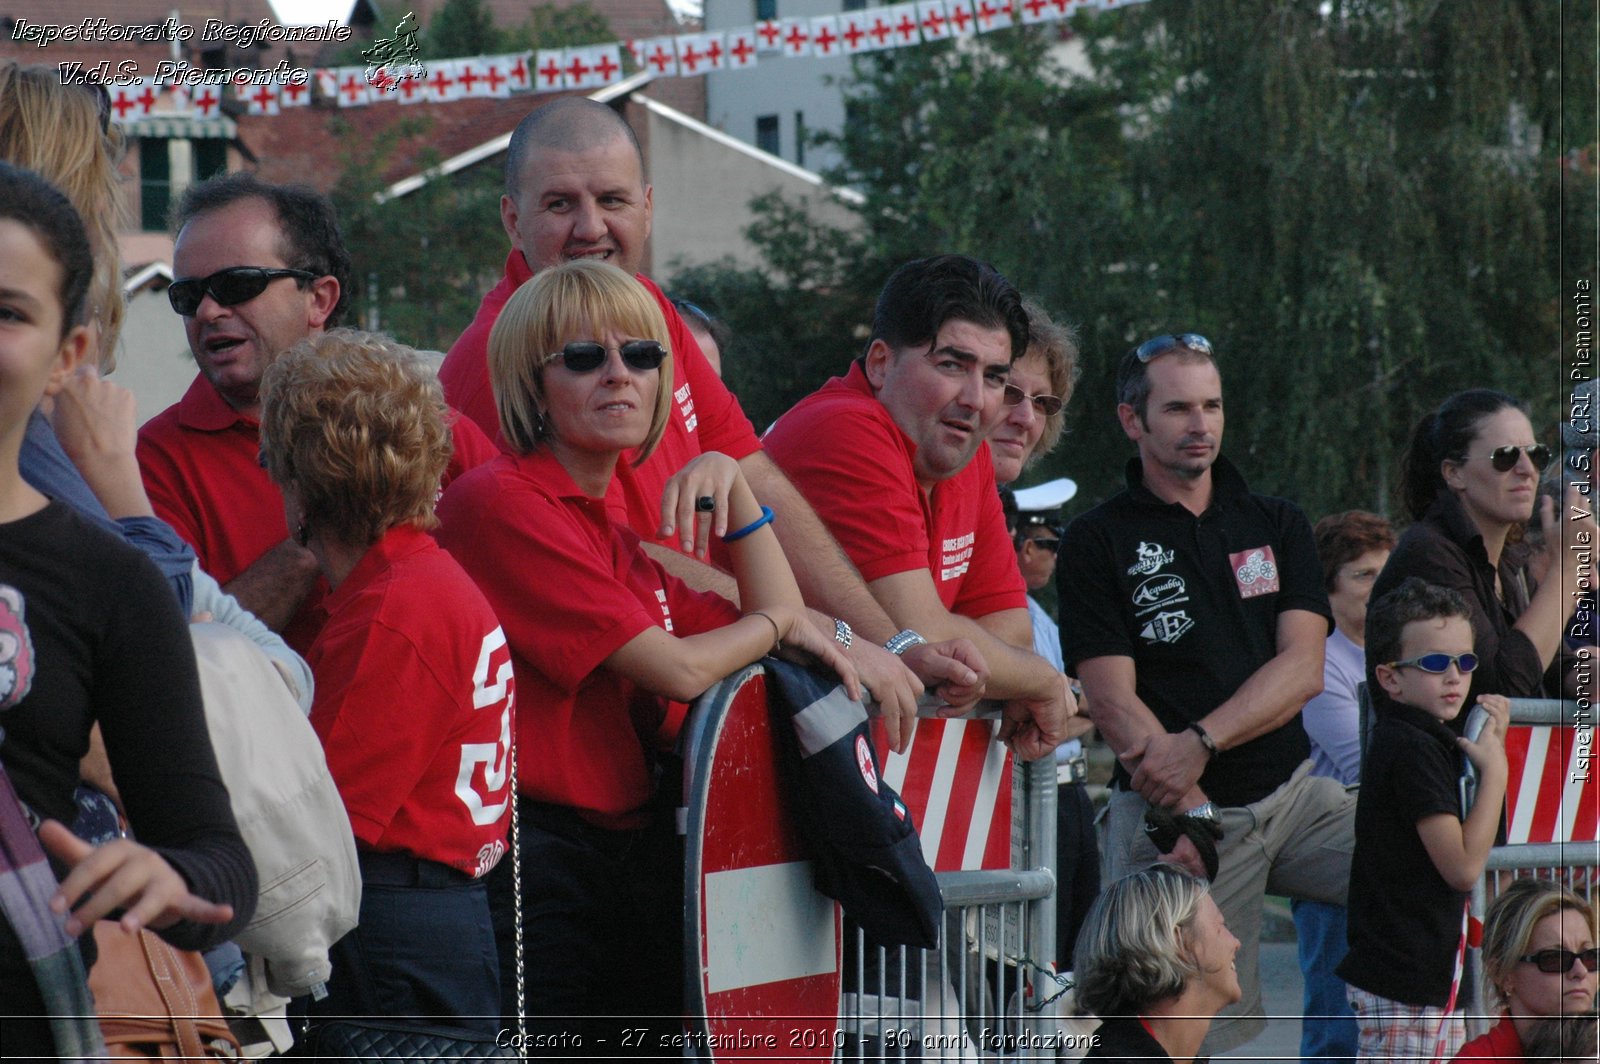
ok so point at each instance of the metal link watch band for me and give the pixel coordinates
(903, 641)
(842, 633)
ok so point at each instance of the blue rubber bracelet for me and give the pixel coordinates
(764, 519)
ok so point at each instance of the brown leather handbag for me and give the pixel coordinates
(155, 1001)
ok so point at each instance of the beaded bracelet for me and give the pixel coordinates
(737, 534)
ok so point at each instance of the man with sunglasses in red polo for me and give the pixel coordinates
(1194, 615)
(259, 268)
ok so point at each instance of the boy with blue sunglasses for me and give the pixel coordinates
(1408, 902)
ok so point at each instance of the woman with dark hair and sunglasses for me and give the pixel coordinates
(602, 639)
(1470, 481)
(1539, 960)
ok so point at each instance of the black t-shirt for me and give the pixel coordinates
(109, 644)
(1194, 601)
(1123, 1040)
(1405, 920)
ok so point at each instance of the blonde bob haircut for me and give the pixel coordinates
(1058, 346)
(1131, 952)
(356, 424)
(1513, 915)
(576, 300)
(57, 131)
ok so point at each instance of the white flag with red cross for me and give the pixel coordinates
(992, 15)
(716, 51)
(547, 73)
(132, 100)
(853, 37)
(519, 69)
(1034, 12)
(742, 48)
(636, 50)
(294, 92)
(880, 28)
(327, 81)
(497, 75)
(352, 90)
(661, 57)
(440, 86)
(411, 90)
(962, 19)
(796, 37)
(907, 26)
(693, 59)
(206, 100)
(259, 99)
(472, 78)
(932, 21)
(825, 36)
(606, 59)
(769, 35)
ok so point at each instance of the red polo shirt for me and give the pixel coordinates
(705, 415)
(570, 588)
(413, 706)
(200, 460)
(842, 449)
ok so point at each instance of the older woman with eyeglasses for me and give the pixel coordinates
(602, 639)
(1470, 482)
(1539, 959)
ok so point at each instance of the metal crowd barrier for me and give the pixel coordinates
(773, 970)
(1552, 811)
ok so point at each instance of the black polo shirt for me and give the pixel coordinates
(1405, 920)
(1194, 601)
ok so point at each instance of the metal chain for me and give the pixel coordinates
(516, 899)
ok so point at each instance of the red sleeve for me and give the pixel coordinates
(860, 484)
(721, 423)
(993, 581)
(470, 447)
(363, 671)
(550, 579)
(164, 484)
(465, 373)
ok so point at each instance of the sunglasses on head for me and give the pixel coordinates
(1560, 960)
(1157, 346)
(1504, 459)
(1047, 405)
(1437, 663)
(586, 356)
(230, 287)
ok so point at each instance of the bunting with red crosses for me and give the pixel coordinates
(595, 66)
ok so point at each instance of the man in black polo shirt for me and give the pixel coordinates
(1193, 614)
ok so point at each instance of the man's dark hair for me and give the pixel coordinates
(1414, 600)
(923, 294)
(1445, 436)
(36, 204)
(570, 123)
(307, 221)
(1133, 376)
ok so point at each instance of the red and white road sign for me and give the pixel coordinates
(956, 780)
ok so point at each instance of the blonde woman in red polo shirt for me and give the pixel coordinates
(601, 638)
(413, 679)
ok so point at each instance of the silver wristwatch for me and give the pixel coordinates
(903, 641)
(842, 633)
(1205, 811)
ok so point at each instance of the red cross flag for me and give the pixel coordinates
(259, 99)
(547, 70)
(825, 36)
(907, 21)
(742, 48)
(440, 86)
(692, 59)
(607, 62)
(327, 82)
(292, 93)
(470, 78)
(382, 82)
(1036, 11)
(636, 49)
(796, 37)
(931, 18)
(519, 68)
(142, 97)
(769, 35)
(411, 90)
(661, 57)
(881, 29)
(716, 51)
(992, 15)
(207, 100)
(496, 74)
(853, 33)
(959, 13)
(1062, 8)
(353, 90)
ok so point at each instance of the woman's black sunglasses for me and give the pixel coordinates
(1551, 961)
(586, 356)
(230, 287)
(1505, 459)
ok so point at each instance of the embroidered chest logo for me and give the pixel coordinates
(1168, 627)
(1164, 589)
(1152, 556)
(1255, 571)
(666, 611)
(685, 403)
(955, 556)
